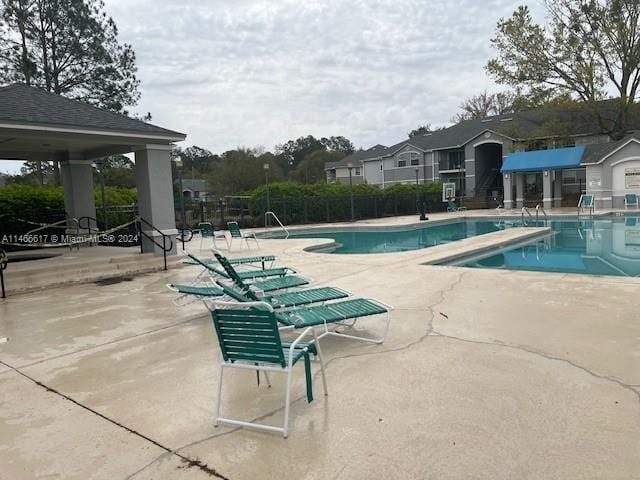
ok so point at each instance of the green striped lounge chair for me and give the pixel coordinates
(192, 293)
(249, 338)
(290, 299)
(630, 200)
(237, 234)
(259, 261)
(341, 312)
(215, 272)
(267, 285)
(207, 231)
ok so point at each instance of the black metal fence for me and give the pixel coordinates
(300, 210)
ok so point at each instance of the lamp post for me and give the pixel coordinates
(266, 183)
(417, 191)
(178, 162)
(350, 167)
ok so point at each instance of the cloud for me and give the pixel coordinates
(252, 72)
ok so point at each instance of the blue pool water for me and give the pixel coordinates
(385, 241)
(604, 246)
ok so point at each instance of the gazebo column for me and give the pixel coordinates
(557, 188)
(155, 195)
(519, 189)
(547, 188)
(507, 183)
(77, 181)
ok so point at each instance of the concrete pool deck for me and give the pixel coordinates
(484, 374)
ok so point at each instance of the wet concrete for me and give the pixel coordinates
(485, 374)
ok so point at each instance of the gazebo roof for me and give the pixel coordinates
(37, 125)
(32, 106)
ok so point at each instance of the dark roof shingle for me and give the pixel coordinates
(29, 105)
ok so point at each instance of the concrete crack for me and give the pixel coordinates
(531, 351)
(187, 461)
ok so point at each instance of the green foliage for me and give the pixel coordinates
(301, 203)
(38, 204)
(242, 169)
(68, 47)
(311, 168)
(586, 48)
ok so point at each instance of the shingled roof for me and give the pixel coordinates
(26, 105)
(357, 157)
(547, 122)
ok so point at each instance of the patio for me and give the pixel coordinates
(484, 374)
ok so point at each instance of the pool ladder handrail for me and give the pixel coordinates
(284, 229)
(523, 211)
(540, 208)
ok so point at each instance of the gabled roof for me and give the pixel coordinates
(357, 157)
(24, 105)
(545, 122)
(598, 152)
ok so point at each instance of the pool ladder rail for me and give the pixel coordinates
(539, 208)
(282, 227)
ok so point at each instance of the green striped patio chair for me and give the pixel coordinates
(586, 202)
(630, 200)
(236, 233)
(249, 339)
(207, 231)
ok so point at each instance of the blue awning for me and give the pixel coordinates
(540, 160)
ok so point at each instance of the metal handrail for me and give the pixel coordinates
(4, 260)
(164, 247)
(540, 208)
(269, 213)
(523, 211)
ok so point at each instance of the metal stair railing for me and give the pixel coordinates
(165, 249)
(271, 214)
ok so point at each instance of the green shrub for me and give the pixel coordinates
(46, 204)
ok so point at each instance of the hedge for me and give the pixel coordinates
(46, 204)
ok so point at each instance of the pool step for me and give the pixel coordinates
(29, 276)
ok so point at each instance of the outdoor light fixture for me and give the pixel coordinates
(506, 176)
(546, 173)
(265, 166)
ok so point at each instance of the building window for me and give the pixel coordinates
(407, 158)
(358, 171)
(453, 161)
(576, 176)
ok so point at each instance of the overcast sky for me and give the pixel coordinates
(257, 73)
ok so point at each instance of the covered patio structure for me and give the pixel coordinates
(40, 126)
(548, 163)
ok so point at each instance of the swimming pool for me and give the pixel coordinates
(602, 246)
(401, 240)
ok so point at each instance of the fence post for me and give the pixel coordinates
(201, 211)
(306, 211)
(241, 220)
(326, 204)
(395, 204)
(221, 208)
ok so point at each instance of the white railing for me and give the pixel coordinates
(271, 214)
